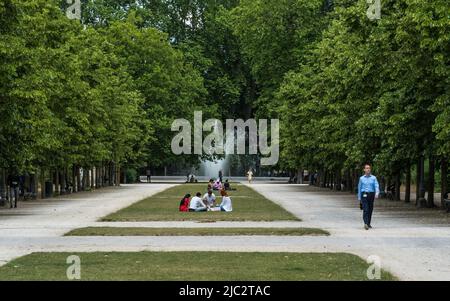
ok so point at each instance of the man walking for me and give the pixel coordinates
(368, 190)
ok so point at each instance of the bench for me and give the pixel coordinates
(27, 196)
(390, 194)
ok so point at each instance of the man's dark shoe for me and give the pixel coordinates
(370, 227)
(366, 227)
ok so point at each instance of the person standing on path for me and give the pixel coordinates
(250, 176)
(149, 175)
(368, 190)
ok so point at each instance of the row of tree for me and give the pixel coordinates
(77, 96)
(350, 90)
(347, 89)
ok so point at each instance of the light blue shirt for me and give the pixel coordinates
(368, 184)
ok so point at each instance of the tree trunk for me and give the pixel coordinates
(100, 176)
(111, 174)
(388, 185)
(339, 180)
(300, 174)
(355, 180)
(63, 180)
(97, 177)
(57, 188)
(418, 183)
(444, 170)
(330, 180)
(33, 185)
(408, 185)
(43, 183)
(112, 171)
(104, 175)
(93, 178)
(348, 181)
(78, 178)
(422, 201)
(335, 181)
(398, 185)
(73, 179)
(86, 179)
(3, 184)
(382, 187)
(118, 171)
(107, 174)
(431, 184)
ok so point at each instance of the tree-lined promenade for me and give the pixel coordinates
(81, 101)
(350, 90)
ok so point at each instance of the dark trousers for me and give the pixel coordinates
(367, 203)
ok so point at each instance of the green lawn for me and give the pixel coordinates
(115, 231)
(208, 266)
(248, 205)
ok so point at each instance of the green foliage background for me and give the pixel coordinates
(347, 89)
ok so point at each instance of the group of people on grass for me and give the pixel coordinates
(217, 185)
(207, 202)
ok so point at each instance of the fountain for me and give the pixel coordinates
(210, 169)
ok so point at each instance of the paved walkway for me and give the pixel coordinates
(412, 244)
(40, 221)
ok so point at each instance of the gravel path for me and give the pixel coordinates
(413, 245)
(43, 220)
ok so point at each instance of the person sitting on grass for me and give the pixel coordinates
(184, 204)
(226, 204)
(227, 185)
(209, 199)
(196, 204)
(210, 184)
(217, 185)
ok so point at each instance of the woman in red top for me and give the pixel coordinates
(184, 204)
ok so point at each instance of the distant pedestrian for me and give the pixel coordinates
(250, 176)
(368, 190)
(149, 175)
(13, 182)
(221, 176)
